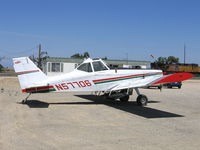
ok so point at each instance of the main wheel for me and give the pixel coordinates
(142, 100)
(125, 98)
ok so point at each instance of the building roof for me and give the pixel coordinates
(109, 61)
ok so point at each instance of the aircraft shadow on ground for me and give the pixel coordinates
(130, 107)
(35, 104)
(41, 104)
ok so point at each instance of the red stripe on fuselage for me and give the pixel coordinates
(37, 89)
(125, 77)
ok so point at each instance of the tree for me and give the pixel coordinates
(1, 67)
(80, 56)
(172, 60)
(105, 58)
(77, 55)
(162, 62)
(39, 61)
(86, 55)
(167, 60)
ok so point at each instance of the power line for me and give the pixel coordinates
(19, 52)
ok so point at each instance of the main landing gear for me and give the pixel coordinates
(142, 100)
(26, 99)
(123, 96)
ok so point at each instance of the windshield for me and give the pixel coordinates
(85, 67)
(99, 66)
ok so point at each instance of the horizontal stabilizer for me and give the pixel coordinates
(176, 77)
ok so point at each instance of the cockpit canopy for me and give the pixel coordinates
(91, 65)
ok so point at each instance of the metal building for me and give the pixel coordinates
(56, 65)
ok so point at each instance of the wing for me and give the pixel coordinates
(176, 77)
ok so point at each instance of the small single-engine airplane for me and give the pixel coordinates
(92, 75)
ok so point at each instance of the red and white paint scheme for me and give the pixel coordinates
(92, 75)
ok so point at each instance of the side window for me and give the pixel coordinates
(85, 67)
(49, 66)
(99, 66)
(55, 67)
(61, 67)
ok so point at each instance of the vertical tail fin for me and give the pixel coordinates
(28, 73)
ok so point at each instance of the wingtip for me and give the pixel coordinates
(176, 77)
(187, 75)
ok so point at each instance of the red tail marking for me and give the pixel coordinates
(177, 77)
(17, 62)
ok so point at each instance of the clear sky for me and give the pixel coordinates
(112, 28)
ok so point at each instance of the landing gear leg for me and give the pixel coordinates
(26, 99)
(125, 98)
(142, 100)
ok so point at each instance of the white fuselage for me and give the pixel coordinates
(107, 80)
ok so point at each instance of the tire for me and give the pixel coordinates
(179, 86)
(142, 100)
(125, 98)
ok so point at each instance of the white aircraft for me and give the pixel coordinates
(92, 75)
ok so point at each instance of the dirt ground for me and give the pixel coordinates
(61, 121)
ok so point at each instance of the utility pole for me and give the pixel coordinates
(127, 58)
(39, 57)
(184, 53)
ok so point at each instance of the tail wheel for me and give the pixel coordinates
(125, 98)
(142, 100)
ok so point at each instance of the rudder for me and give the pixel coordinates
(28, 73)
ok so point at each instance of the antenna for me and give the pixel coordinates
(127, 58)
(155, 63)
(184, 53)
